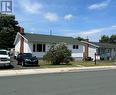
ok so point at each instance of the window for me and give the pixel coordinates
(43, 47)
(33, 47)
(3, 53)
(39, 47)
(75, 46)
(108, 50)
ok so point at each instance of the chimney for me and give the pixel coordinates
(21, 40)
(86, 48)
(21, 30)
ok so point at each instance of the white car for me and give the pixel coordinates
(4, 58)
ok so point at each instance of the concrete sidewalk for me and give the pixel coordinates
(53, 70)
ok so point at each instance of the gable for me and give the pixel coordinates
(17, 38)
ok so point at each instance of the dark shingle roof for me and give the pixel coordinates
(104, 45)
(50, 38)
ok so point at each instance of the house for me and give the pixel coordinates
(104, 51)
(39, 44)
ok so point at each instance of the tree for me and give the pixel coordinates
(80, 39)
(8, 30)
(58, 53)
(113, 39)
(104, 39)
(107, 39)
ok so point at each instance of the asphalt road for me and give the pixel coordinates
(81, 83)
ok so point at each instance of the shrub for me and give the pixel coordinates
(58, 53)
(68, 59)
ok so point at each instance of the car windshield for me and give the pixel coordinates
(27, 55)
(3, 53)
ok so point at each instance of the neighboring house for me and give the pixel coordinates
(39, 44)
(104, 51)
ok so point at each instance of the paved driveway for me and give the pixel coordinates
(82, 83)
(16, 67)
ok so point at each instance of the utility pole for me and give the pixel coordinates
(50, 32)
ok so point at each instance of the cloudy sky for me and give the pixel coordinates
(85, 18)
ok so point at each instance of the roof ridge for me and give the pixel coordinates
(50, 38)
(103, 43)
(49, 35)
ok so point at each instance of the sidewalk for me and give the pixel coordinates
(53, 70)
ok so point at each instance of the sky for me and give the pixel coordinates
(85, 18)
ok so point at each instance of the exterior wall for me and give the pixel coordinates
(113, 53)
(91, 52)
(27, 47)
(108, 53)
(17, 47)
(41, 54)
(76, 53)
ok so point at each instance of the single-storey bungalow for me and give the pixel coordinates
(39, 44)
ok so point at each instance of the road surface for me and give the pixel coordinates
(81, 83)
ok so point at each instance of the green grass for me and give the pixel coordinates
(45, 64)
(92, 63)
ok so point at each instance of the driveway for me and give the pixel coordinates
(81, 83)
(16, 67)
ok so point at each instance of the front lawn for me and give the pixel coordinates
(45, 64)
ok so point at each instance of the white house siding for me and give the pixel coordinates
(41, 54)
(76, 53)
(17, 47)
(91, 52)
(27, 47)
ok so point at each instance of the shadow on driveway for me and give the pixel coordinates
(6, 67)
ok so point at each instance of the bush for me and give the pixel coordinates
(68, 59)
(58, 53)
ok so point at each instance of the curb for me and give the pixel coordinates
(53, 70)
